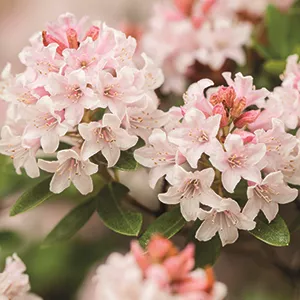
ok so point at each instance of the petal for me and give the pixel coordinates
(172, 196)
(83, 183)
(190, 209)
(59, 182)
(207, 230)
(233, 142)
(245, 223)
(228, 235)
(111, 121)
(50, 142)
(112, 154)
(31, 167)
(230, 179)
(90, 148)
(252, 207)
(90, 168)
(156, 173)
(48, 166)
(270, 210)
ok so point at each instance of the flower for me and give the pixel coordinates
(267, 194)
(197, 135)
(189, 189)
(105, 136)
(238, 161)
(14, 284)
(226, 218)
(47, 125)
(70, 167)
(160, 155)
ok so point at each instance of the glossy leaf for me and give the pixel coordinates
(32, 197)
(72, 222)
(276, 233)
(112, 212)
(168, 224)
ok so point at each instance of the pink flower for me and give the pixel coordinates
(142, 122)
(70, 167)
(14, 284)
(196, 136)
(266, 196)
(160, 155)
(189, 189)
(244, 88)
(47, 125)
(278, 143)
(225, 218)
(11, 144)
(220, 40)
(238, 161)
(291, 77)
(72, 93)
(105, 136)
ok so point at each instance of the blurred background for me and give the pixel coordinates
(251, 270)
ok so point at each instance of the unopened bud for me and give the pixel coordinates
(93, 32)
(246, 136)
(246, 118)
(220, 110)
(72, 38)
(238, 107)
(225, 95)
(49, 39)
(184, 6)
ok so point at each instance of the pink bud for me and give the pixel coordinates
(49, 39)
(220, 110)
(245, 135)
(246, 118)
(238, 107)
(72, 38)
(184, 6)
(139, 255)
(93, 32)
(160, 248)
(225, 95)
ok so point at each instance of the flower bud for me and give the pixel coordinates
(220, 110)
(225, 95)
(245, 135)
(184, 6)
(72, 38)
(238, 106)
(48, 39)
(246, 118)
(93, 32)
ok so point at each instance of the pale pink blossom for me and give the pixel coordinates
(72, 93)
(47, 124)
(142, 122)
(226, 218)
(105, 136)
(196, 136)
(160, 155)
(189, 189)
(278, 143)
(14, 284)
(220, 40)
(291, 75)
(238, 161)
(70, 167)
(23, 156)
(244, 88)
(267, 194)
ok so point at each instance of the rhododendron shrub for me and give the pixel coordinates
(89, 114)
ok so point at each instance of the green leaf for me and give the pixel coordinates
(32, 197)
(275, 67)
(72, 222)
(262, 51)
(206, 253)
(278, 31)
(113, 214)
(9, 241)
(126, 162)
(276, 233)
(168, 224)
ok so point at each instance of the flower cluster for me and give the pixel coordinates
(80, 87)
(161, 273)
(14, 284)
(209, 148)
(209, 32)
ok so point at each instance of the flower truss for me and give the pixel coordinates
(14, 284)
(80, 87)
(219, 139)
(160, 273)
(209, 32)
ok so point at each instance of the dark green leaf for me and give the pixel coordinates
(72, 222)
(168, 224)
(275, 67)
(207, 252)
(113, 214)
(32, 197)
(126, 162)
(276, 233)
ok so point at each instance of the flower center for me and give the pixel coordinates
(265, 192)
(236, 161)
(190, 188)
(74, 93)
(105, 134)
